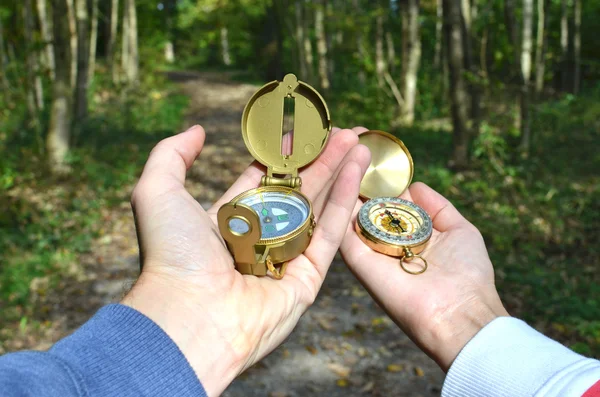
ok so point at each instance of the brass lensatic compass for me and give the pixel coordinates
(285, 126)
(387, 223)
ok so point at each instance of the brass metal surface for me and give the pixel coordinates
(263, 125)
(391, 169)
(283, 147)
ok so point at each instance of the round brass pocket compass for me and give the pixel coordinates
(387, 223)
(285, 126)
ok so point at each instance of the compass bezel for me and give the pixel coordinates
(371, 231)
(279, 189)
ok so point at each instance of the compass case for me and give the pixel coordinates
(391, 169)
(266, 126)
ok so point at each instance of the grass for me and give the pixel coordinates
(46, 223)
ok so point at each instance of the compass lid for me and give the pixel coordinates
(286, 125)
(391, 169)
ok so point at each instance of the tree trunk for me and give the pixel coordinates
(132, 69)
(470, 65)
(93, 40)
(540, 47)
(3, 60)
(577, 47)
(380, 65)
(125, 52)
(73, 40)
(526, 49)
(83, 54)
(308, 48)
(360, 46)
(321, 45)
(45, 30)
(391, 51)
(112, 39)
(405, 37)
(300, 39)
(170, 10)
(513, 34)
(225, 46)
(407, 115)
(35, 90)
(564, 45)
(437, 59)
(458, 90)
(57, 141)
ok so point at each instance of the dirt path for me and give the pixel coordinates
(344, 345)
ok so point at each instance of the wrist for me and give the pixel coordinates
(173, 306)
(460, 325)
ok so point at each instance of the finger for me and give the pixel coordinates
(359, 154)
(443, 214)
(359, 130)
(314, 177)
(336, 215)
(169, 161)
(318, 173)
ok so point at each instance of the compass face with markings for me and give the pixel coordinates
(394, 222)
(279, 212)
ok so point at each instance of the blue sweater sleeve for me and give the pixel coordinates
(118, 352)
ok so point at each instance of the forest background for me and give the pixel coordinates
(498, 101)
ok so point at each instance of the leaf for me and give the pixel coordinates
(368, 387)
(342, 382)
(311, 349)
(395, 368)
(340, 370)
(419, 372)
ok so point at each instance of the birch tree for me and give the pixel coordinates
(437, 59)
(299, 33)
(513, 35)
(413, 53)
(380, 61)
(112, 39)
(57, 141)
(226, 56)
(45, 31)
(3, 59)
(83, 54)
(321, 45)
(459, 96)
(564, 44)
(308, 47)
(73, 39)
(540, 47)
(93, 40)
(526, 49)
(35, 91)
(130, 30)
(577, 47)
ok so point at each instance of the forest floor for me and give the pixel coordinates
(344, 344)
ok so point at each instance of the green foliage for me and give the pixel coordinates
(47, 223)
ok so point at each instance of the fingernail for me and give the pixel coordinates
(191, 128)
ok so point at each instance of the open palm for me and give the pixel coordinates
(188, 272)
(431, 307)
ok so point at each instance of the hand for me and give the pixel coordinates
(443, 308)
(223, 321)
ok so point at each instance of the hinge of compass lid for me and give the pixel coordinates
(294, 182)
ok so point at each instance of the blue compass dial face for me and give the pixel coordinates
(280, 213)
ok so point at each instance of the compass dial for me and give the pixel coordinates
(395, 221)
(280, 212)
